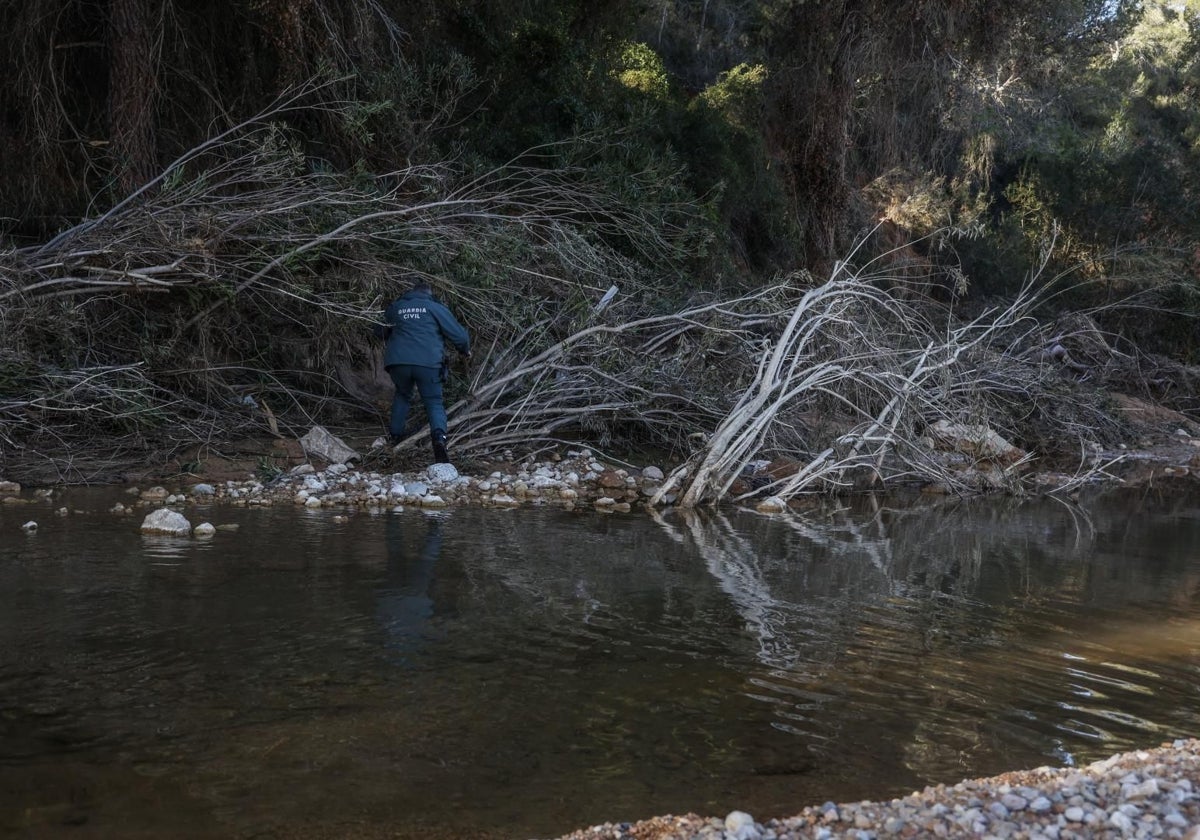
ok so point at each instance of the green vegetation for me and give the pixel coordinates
(200, 204)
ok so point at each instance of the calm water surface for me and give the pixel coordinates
(523, 673)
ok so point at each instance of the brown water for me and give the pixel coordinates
(523, 673)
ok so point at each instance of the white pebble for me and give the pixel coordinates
(740, 826)
(1120, 821)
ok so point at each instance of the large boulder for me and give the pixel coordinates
(166, 521)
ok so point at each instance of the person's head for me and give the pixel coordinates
(421, 287)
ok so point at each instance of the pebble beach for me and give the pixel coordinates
(1146, 793)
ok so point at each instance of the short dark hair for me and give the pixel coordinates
(421, 286)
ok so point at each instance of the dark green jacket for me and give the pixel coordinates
(416, 326)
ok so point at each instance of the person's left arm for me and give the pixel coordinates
(453, 331)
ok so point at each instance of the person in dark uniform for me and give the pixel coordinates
(416, 327)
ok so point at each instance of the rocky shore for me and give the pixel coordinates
(1142, 794)
(577, 480)
(573, 479)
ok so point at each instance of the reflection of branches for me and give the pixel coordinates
(781, 627)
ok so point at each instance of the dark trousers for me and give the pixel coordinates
(429, 384)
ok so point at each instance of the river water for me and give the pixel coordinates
(521, 673)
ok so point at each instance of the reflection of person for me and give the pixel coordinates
(416, 327)
(406, 605)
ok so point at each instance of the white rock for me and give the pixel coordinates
(441, 472)
(302, 469)
(29, 527)
(605, 501)
(653, 474)
(166, 521)
(203, 490)
(568, 493)
(504, 500)
(1142, 790)
(336, 469)
(740, 826)
(485, 486)
(1121, 822)
(325, 446)
(975, 440)
(204, 529)
(9, 488)
(417, 488)
(314, 485)
(771, 504)
(312, 502)
(433, 501)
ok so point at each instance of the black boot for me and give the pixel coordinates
(440, 455)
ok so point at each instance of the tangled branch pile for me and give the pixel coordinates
(234, 295)
(243, 270)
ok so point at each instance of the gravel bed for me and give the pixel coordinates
(1147, 793)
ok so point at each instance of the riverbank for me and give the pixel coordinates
(1146, 793)
(571, 479)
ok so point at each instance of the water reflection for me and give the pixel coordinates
(526, 672)
(858, 614)
(405, 603)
